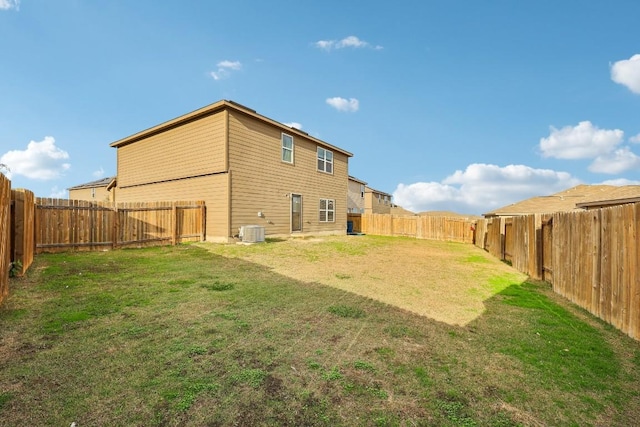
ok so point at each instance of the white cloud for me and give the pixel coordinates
(620, 182)
(58, 193)
(627, 73)
(481, 188)
(224, 69)
(41, 160)
(9, 4)
(342, 104)
(98, 173)
(619, 161)
(583, 141)
(294, 125)
(347, 42)
(635, 139)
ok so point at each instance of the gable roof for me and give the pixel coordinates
(368, 189)
(214, 108)
(359, 181)
(572, 199)
(104, 182)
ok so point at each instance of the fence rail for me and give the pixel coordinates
(79, 225)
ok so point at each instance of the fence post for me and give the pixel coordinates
(174, 224)
(203, 223)
(116, 227)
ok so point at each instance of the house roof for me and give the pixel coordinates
(213, 108)
(359, 181)
(373, 190)
(104, 182)
(574, 198)
(615, 196)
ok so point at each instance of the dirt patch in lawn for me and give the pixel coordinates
(445, 281)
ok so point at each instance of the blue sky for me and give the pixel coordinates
(448, 105)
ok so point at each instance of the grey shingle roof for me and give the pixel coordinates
(568, 200)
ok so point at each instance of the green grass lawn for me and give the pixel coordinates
(191, 336)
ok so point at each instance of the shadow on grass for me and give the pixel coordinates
(192, 338)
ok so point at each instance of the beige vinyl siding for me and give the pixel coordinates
(373, 206)
(192, 149)
(212, 189)
(262, 182)
(101, 194)
(355, 200)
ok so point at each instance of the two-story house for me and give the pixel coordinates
(249, 170)
(363, 199)
(355, 195)
(101, 190)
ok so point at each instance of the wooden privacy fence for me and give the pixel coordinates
(61, 224)
(356, 222)
(22, 230)
(589, 257)
(5, 237)
(420, 227)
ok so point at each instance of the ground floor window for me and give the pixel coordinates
(327, 210)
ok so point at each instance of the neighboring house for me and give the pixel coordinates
(101, 190)
(376, 201)
(249, 170)
(576, 198)
(355, 195)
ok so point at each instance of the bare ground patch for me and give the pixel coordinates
(448, 282)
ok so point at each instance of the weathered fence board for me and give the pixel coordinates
(589, 257)
(85, 226)
(420, 227)
(23, 233)
(5, 236)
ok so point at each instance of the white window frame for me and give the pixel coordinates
(361, 191)
(324, 161)
(329, 210)
(286, 149)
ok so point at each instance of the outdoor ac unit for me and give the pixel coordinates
(252, 233)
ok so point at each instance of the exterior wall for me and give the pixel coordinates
(193, 149)
(374, 203)
(100, 195)
(183, 163)
(355, 200)
(262, 182)
(213, 189)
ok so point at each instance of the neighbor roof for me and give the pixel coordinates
(574, 198)
(359, 181)
(215, 107)
(616, 196)
(104, 182)
(373, 190)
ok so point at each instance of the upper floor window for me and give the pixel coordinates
(93, 193)
(287, 148)
(327, 210)
(325, 160)
(362, 191)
